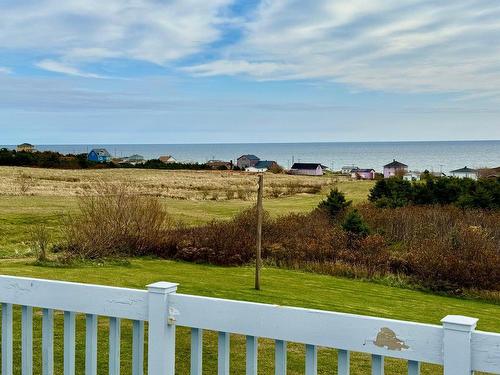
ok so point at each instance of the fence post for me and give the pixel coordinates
(161, 331)
(457, 353)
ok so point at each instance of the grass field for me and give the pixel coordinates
(52, 194)
(279, 287)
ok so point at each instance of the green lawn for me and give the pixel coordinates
(279, 287)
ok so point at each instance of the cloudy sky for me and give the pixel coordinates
(196, 71)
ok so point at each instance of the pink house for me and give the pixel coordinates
(363, 174)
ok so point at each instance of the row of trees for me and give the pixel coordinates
(465, 193)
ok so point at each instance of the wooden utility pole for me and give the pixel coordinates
(260, 212)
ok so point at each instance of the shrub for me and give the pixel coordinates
(335, 203)
(39, 239)
(115, 222)
(354, 224)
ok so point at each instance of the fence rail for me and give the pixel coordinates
(455, 345)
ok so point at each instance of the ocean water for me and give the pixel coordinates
(434, 156)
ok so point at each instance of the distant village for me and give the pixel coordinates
(253, 164)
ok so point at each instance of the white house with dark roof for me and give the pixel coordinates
(464, 172)
(262, 166)
(308, 169)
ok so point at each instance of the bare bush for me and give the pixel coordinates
(24, 182)
(116, 222)
(39, 240)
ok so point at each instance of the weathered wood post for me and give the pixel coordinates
(161, 331)
(457, 353)
(260, 210)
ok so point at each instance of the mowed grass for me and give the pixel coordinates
(283, 287)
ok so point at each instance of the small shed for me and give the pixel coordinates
(245, 161)
(308, 169)
(464, 172)
(395, 168)
(99, 155)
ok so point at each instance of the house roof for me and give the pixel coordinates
(265, 164)
(365, 170)
(249, 157)
(306, 166)
(395, 164)
(464, 170)
(25, 145)
(101, 152)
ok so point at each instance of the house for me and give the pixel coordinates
(220, 164)
(412, 176)
(309, 169)
(245, 161)
(99, 155)
(464, 172)
(395, 168)
(363, 174)
(346, 169)
(25, 147)
(262, 166)
(167, 159)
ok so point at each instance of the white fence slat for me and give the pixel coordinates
(457, 352)
(83, 298)
(196, 351)
(486, 352)
(137, 347)
(223, 353)
(161, 331)
(114, 345)
(377, 365)
(69, 342)
(251, 355)
(344, 359)
(311, 359)
(26, 340)
(422, 342)
(413, 368)
(47, 342)
(280, 357)
(7, 358)
(91, 344)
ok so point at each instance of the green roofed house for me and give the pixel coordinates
(464, 172)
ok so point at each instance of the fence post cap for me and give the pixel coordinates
(162, 287)
(459, 323)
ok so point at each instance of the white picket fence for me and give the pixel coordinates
(455, 344)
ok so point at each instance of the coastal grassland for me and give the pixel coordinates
(189, 185)
(31, 195)
(283, 287)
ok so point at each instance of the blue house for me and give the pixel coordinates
(99, 155)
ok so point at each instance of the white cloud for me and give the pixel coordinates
(76, 32)
(58, 67)
(407, 46)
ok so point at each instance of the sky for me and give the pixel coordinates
(223, 71)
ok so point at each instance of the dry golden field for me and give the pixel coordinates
(189, 185)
